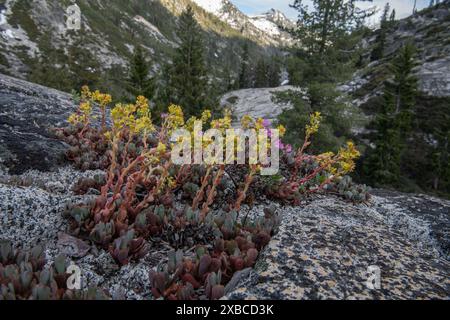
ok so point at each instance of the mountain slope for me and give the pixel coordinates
(111, 29)
(429, 31)
(267, 28)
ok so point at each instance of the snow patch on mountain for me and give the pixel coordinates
(265, 25)
(273, 22)
(268, 27)
(212, 6)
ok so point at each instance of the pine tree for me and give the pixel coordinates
(393, 122)
(324, 26)
(83, 65)
(378, 51)
(139, 82)
(50, 69)
(392, 17)
(261, 74)
(274, 74)
(244, 75)
(404, 86)
(188, 82)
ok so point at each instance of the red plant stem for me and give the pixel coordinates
(243, 193)
(112, 169)
(125, 173)
(201, 191)
(299, 158)
(212, 192)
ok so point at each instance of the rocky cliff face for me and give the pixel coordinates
(258, 103)
(429, 31)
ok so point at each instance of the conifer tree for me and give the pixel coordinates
(83, 65)
(323, 26)
(50, 69)
(378, 51)
(139, 82)
(392, 17)
(188, 82)
(244, 75)
(274, 74)
(394, 121)
(261, 74)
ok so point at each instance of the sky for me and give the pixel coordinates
(402, 7)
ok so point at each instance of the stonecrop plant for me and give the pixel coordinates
(145, 196)
(23, 276)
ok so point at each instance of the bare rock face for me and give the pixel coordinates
(329, 249)
(429, 31)
(257, 103)
(27, 111)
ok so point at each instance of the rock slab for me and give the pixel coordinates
(329, 249)
(27, 111)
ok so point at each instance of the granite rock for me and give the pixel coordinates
(324, 250)
(27, 112)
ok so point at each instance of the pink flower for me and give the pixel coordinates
(280, 145)
(266, 123)
(288, 148)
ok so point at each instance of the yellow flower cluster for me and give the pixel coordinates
(74, 119)
(85, 108)
(102, 98)
(259, 124)
(247, 122)
(206, 115)
(175, 118)
(326, 160)
(83, 115)
(314, 124)
(282, 130)
(85, 93)
(134, 116)
(223, 123)
(347, 157)
(162, 148)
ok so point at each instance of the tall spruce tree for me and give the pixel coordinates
(392, 17)
(188, 81)
(394, 121)
(274, 74)
(261, 74)
(139, 82)
(380, 44)
(82, 63)
(244, 74)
